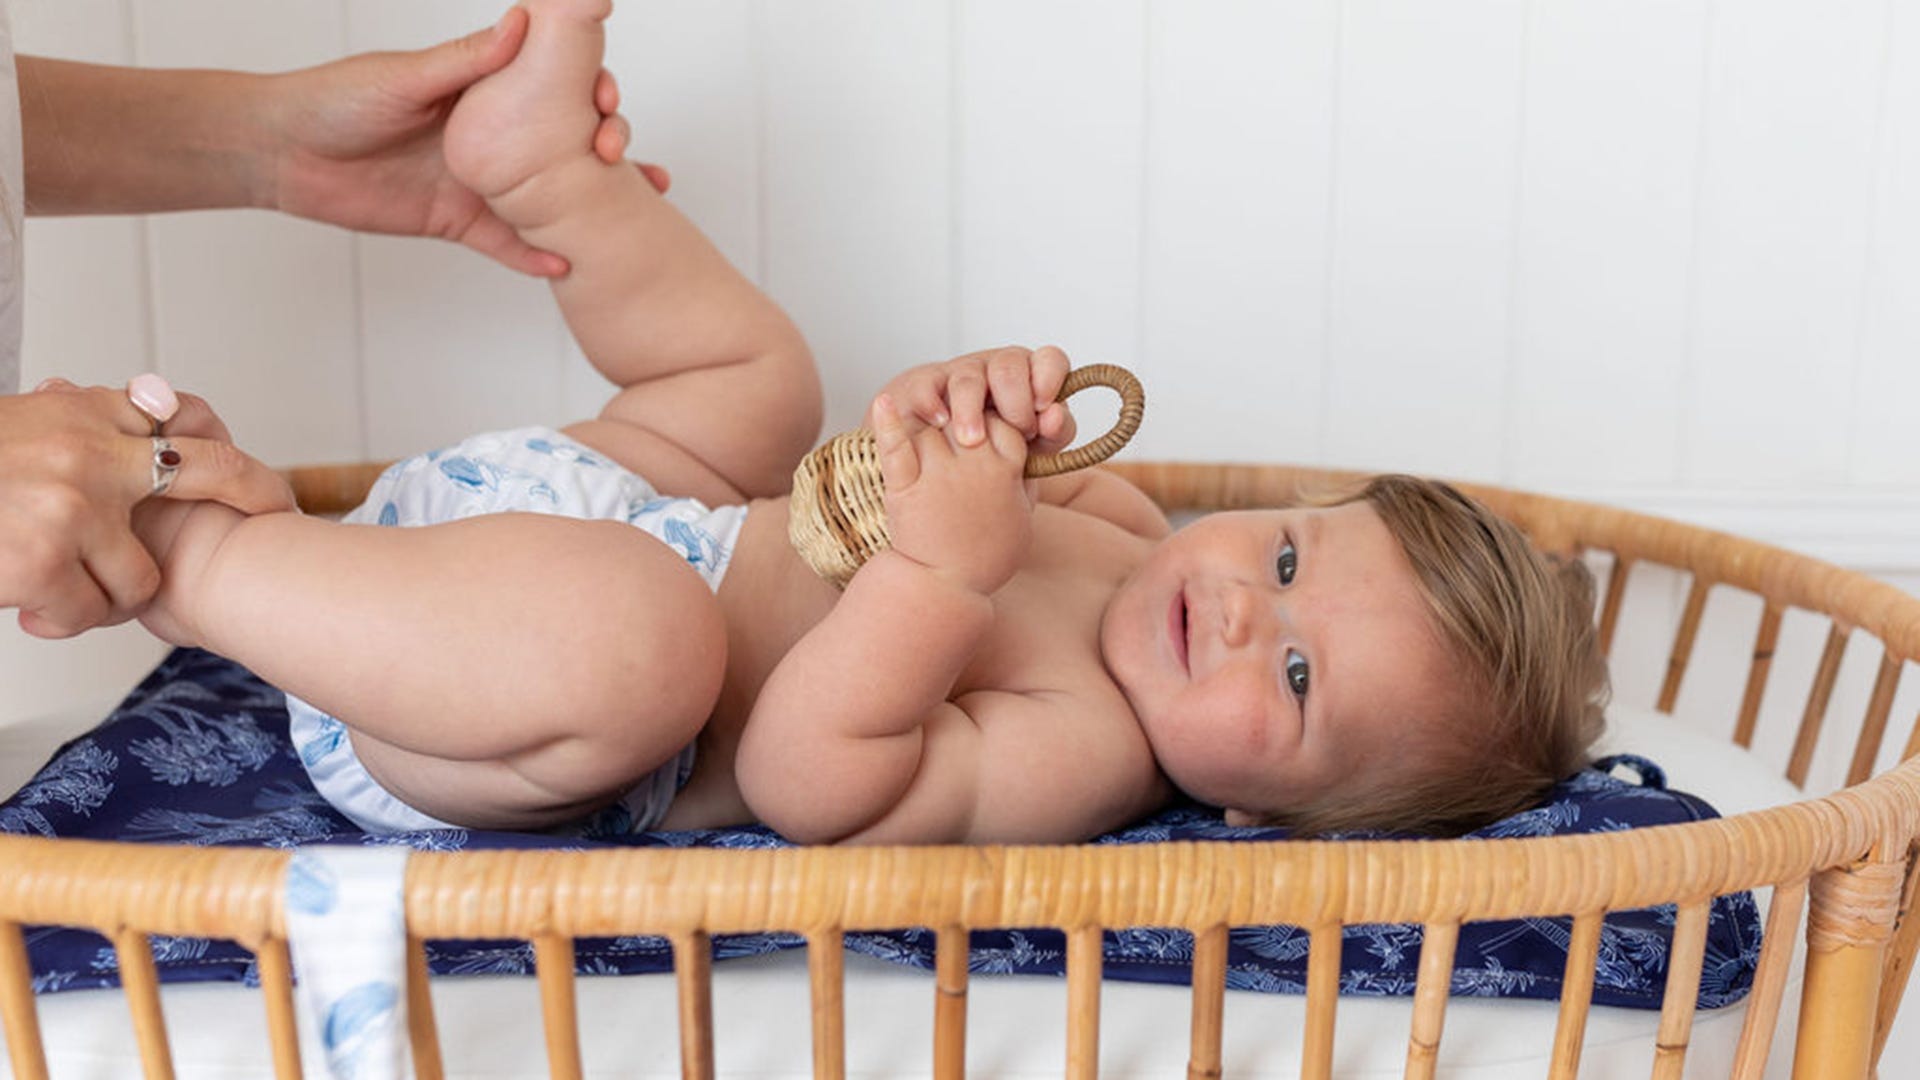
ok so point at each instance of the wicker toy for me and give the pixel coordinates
(837, 519)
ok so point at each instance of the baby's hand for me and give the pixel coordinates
(961, 511)
(1020, 385)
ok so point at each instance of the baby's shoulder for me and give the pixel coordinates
(1108, 497)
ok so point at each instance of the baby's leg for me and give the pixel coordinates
(537, 112)
(509, 670)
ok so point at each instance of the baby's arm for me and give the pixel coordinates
(710, 369)
(840, 728)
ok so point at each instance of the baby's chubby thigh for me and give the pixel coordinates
(608, 657)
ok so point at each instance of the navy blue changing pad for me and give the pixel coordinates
(198, 754)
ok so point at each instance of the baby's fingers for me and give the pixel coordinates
(967, 403)
(1008, 441)
(899, 464)
(1057, 428)
(1049, 374)
(1010, 379)
(924, 401)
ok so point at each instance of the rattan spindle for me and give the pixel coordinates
(276, 986)
(1084, 967)
(1209, 980)
(24, 1048)
(141, 983)
(1906, 936)
(1847, 932)
(1808, 737)
(826, 969)
(950, 1003)
(1576, 995)
(332, 489)
(553, 965)
(693, 981)
(1323, 997)
(1873, 728)
(423, 1035)
(1683, 640)
(1684, 959)
(1438, 942)
(1764, 642)
(1610, 606)
(1769, 980)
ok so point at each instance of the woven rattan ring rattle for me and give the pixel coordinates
(836, 519)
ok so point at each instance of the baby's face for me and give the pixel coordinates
(1273, 654)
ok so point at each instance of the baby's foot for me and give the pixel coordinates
(183, 538)
(538, 111)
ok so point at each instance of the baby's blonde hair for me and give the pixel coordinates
(1520, 624)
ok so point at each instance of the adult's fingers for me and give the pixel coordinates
(70, 602)
(657, 175)
(196, 419)
(222, 472)
(497, 240)
(451, 66)
(606, 94)
(123, 569)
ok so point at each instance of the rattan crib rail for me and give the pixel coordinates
(1846, 861)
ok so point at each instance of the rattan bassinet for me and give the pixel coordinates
(1846, 860)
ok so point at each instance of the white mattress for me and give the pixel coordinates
(490, 1027)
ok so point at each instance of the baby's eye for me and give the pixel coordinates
(1287, 564)
(1297, 674)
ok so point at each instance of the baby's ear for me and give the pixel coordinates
(1240, 819)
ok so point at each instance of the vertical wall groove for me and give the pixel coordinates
(757, 28)
(1686, 382)
(357, 289)
(1143, 221)
(1331, 254)
(1509, 383)
(1871, 202)
(143, 234)
(956, 149)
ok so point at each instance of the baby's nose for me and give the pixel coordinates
(1246, 615)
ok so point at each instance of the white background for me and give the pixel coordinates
(1657, 252)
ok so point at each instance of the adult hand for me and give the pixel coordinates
(73, 462)
(358, 143)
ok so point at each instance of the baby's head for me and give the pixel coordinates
(1400, 659)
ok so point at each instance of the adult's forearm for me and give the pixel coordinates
(102, 140)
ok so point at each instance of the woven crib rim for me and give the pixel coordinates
(237, 893)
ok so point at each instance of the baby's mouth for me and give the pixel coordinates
(1182, 631)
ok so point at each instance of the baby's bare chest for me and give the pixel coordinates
(1046, 628)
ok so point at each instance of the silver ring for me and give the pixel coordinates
(166, 464)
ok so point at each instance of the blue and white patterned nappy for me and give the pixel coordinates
(536, 470)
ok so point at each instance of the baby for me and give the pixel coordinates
(564, 626)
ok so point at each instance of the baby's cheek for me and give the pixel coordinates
(1241, 721)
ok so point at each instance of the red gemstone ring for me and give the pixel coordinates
(166, 463)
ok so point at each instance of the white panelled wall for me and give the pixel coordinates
(1657, 252)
